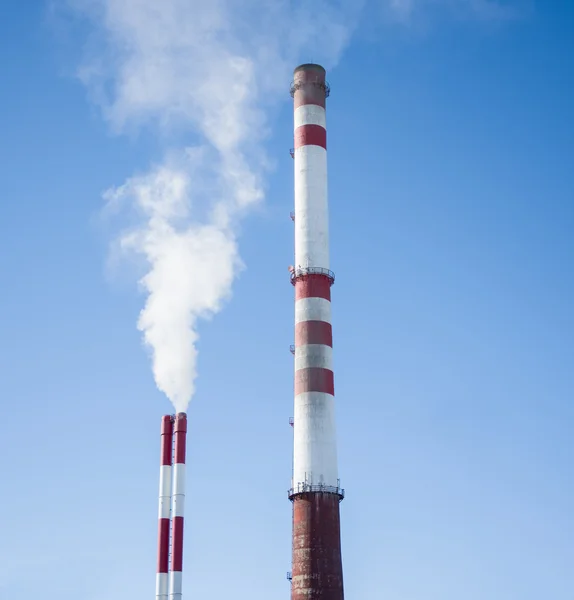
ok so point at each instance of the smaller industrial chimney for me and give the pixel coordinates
(162, 581)
(171, 507)
(178, 506)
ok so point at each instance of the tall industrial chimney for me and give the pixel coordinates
(317, 571)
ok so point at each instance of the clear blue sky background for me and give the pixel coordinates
(452, 196)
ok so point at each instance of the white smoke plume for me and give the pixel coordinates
(191, 269)
(213, 67)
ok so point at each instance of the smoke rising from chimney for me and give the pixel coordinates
(191, 269)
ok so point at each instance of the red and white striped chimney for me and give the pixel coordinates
(178, 506)
(317, 571)
(162, 581)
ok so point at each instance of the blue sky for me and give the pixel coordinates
(452, 206)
